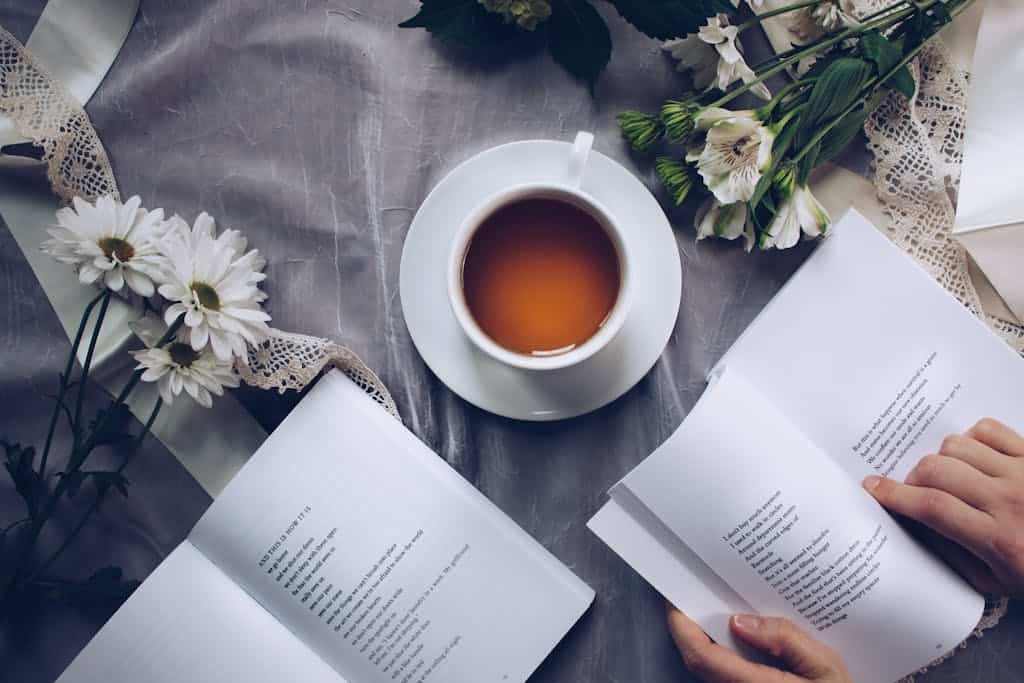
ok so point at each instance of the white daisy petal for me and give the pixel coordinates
(213, 284)
(114, 279)
(139, 283)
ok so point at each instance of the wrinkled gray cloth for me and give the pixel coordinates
(317, 127)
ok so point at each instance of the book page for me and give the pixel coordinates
(792, 534)
(190, 622)
(381, 557)
(669, 565)
(872, 359)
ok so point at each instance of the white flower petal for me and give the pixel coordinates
(114, 279)
(138, 283)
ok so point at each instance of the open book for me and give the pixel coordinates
(343, 551)
(860, 365)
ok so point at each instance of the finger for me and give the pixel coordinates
(714, 663)
(938, 510)
(955, 477)
(978, 455)
(998, 436)
(781, 639)
(965, 563)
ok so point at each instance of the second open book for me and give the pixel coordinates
(861, 365)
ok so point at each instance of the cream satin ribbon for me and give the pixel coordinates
(77, 41)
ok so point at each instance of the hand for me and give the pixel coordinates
(806, 658)
(972, 494)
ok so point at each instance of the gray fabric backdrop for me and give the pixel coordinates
(317, 126)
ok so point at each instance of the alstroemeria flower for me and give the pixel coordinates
(727, 222)
(737, 150)
(714, 57)
(833, 15)
(799, 213)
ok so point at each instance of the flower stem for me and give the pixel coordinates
(77, 459)
(814, 49)
(64, 383)
(99, 494)
(14, 524)
(876, 82)
(758, 18)
(87, 365)
(869, 90)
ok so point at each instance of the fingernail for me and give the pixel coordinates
(871, 483)
(747, 622)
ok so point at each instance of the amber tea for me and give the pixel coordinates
(540, 276)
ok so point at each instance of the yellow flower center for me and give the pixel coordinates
(116, 248)
(182, 354)
(206, 295)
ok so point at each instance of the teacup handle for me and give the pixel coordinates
(578, 159)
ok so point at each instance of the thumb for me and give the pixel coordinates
(781, 639)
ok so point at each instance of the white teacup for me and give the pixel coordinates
(569, 192)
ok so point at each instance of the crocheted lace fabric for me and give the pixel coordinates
(918, 151)
(44, 112)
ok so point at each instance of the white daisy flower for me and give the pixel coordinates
(214, 286)
(714, 57)
(737, 150)
(799, 213)
(727, 222)
(177, 366)
(110, 243)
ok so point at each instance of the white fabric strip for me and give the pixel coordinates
(77, 41)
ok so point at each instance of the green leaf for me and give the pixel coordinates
(807, 163)
(836, 89)
(107, 480)
(784, 139)
(72, 481)
(885, 55)
(21, 467)
(842, 134)
(880, 51)
(664, 19)
(463, 24)
(903, 82)
(110, 425)
(106, 587)
(924, 24)
(762, 187)
(579, 39)
(101, 479)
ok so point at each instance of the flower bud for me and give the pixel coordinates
(642, 130)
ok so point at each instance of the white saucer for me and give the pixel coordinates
(522, 394)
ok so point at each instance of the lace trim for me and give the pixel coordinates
(44, 111)
(292, 361)
(918, 151)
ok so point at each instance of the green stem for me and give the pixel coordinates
(87, 365)
(875, 83)
(75, 463)
(99, 494)
(64, 383)
(758, 18)
(767, 110)
(14, 524)
(811, 50)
